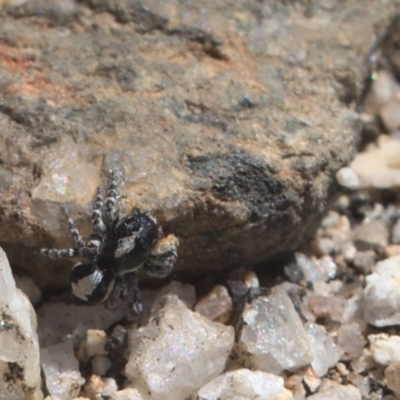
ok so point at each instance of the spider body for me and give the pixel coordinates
(116, 249)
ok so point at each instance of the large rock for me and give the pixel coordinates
(228, 119)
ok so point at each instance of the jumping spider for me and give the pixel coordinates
(116, 249)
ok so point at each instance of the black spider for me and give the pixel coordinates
(116, 249)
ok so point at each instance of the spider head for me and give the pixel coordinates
(162, 257)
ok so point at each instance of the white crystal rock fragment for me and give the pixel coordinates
(128, 394)
(215, 305)
(385, 348)
(177, 352)
(273, 338)
(244, 384)
(29, 287)
(61, 370)
(346, 177)
(325, 352)
(312, 271)
(96, 341)
(100, 365)
(19, 348)
(59, 321)
(350, 338)
(333, 391)
(184, 291)
(381, 300)
(110, 387)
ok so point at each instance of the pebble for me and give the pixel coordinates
(273, 338)
(96, 341)
(350, 339)
(348, 178)
(311, 271)
(327, 306)
(216, 305)
(100, 365)
(110, 387)
(245, 384)
(390, 115)
(364, 261)
(311, 379)
(128, 394)
(369, 235)
(333, 391)
(385, 348)
(381, 299)
(18, 340)
(325, 352)
(61, 370)
(94, 386)
(29, 287)
(392, 376)
(178, 352)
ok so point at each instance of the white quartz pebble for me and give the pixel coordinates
(245, 385)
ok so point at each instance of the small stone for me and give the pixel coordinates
(19, 348)
(323, 245)
(327, 306)
(364, 261)
(177, 352)
(311, 379)
(361, 383)
(325, 352)
(369, 235)
(331, 219)
(251, 280)
(392, 376)
(29, 287)
(390, 115)
(100, 365)
(312, 272)
(61, 370)
(96, 341)
(342, 369)
(245, 384)
(333, 391)
(110, 387)
(385, 348)
(216, 305)
(294, 383)
(392, 250)
(351, 339)
(347, 177)
(396, 232)
(353, 310)
(128, 394)
(273, 338)
(381, 300)
(94, 387)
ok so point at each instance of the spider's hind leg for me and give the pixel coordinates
(130, 291)
(74, 230)
(112, 198)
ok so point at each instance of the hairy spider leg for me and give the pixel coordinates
(97, 210)
(73, 230)
(115, 294)
(112, 198)
(130, 290)
(60, 253)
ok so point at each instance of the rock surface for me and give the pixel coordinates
(19, 349)
(177, 352)
(272, 338)
(244, 384)
(225, 125)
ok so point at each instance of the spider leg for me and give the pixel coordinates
(60, 253)
(114, 295)
(130, 291)
(112, 198)
(96, 216)
(74, 230)
(162, 257)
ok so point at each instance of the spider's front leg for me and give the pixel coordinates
(130, 291)
(97, 213)
(160, 262)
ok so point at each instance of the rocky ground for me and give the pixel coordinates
(321, 322)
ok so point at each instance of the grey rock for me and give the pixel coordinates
(225, 125)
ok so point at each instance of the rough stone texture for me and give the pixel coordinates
(229, 119)
(177, 353)
(244, 384)
(61, 370)
(272, 338)
(19, 348)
